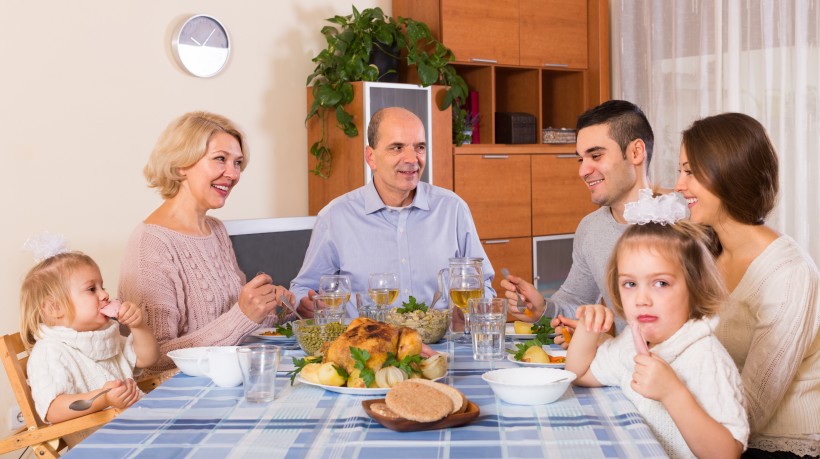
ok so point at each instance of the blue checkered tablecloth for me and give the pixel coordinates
(188, 417)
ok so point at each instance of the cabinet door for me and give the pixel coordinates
(560, 198)
(514, 254)
(497, 189)
(484, 30)
(554, 32)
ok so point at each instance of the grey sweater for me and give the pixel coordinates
(586, 283)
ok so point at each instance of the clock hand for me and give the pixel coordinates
(209, 37)
(194, 40)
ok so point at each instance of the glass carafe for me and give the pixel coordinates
(462, 280)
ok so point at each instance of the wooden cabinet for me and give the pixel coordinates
(560, 198)
(565, 43)
(508, 32)
(499, 199)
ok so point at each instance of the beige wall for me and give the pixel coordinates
(85, 89)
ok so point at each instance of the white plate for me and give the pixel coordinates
(549, 351)
(349, 390)
(259, 334)
(509, 332)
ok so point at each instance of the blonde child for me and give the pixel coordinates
(663, 281)
(77, 350)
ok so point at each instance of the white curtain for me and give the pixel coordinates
(680, 60)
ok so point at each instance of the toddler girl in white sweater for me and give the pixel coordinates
(77, 350)
(663, 281)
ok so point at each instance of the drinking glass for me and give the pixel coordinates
(336, 289)
(259, 363)
(488, 317)
(383, 288)
(327, 308)
(463, 288)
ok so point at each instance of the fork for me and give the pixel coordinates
(287, 303)
(520, 305)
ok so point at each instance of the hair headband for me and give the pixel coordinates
(663, 209)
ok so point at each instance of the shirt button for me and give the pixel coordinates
(404, 261)
(407, 290)
(401, 230)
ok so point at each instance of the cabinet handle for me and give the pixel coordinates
(495, 156)
(566, 156)
(497, 241)
(555, 65)
(485, 61)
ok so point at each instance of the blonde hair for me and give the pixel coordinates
(688, 244)
(182, 144)
(48, 281)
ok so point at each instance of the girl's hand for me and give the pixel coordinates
(566, 327)
(258, 298)
(654, 378)
(597, 318)
(130, 315)
(122, 394)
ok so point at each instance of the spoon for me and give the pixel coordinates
(436, 297)
(82, 405)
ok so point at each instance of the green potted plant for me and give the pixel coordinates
(350, 43)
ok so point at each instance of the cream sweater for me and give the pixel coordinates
(701, 363)
(65, 361)
(770, 328)
(188, 287)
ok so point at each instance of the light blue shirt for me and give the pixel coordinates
(357, 234)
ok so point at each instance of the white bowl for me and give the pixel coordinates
(529, 385)
(186, 359)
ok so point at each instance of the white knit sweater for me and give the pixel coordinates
(701, 363)
(770, 328)
(65, 361)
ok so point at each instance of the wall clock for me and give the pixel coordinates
(201, 46)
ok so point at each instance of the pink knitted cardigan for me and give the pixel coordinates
(188, 287)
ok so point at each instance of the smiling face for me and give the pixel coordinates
(88, 297)
(704, 206)
(210, 180)
(653, 292)
(398, 157)
(610, 178)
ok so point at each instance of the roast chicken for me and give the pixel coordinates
(377, 338)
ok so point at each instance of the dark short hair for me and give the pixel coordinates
(732, 156)
(626, 122)
(373, 128)
(685, 243)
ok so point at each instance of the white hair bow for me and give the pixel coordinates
(663, 209)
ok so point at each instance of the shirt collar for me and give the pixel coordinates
(373, 202)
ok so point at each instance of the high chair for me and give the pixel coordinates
(37, 433)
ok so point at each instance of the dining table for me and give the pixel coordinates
(190, 417)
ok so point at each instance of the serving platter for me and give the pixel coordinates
(350, 390)
(406, 425)
(549, 351)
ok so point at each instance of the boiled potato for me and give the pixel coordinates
(535, 355)
(310, 372)
(329, 376)
(522, 328)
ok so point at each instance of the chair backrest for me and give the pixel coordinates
(15, 357)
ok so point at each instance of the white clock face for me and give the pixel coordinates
(202, 46)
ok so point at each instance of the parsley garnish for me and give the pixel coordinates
(406, 364)
(411, 306)
(361, 356)
(543, 330)
(286, 330)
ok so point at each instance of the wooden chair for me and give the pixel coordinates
(36, 433)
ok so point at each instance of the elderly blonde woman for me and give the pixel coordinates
(179, 263)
